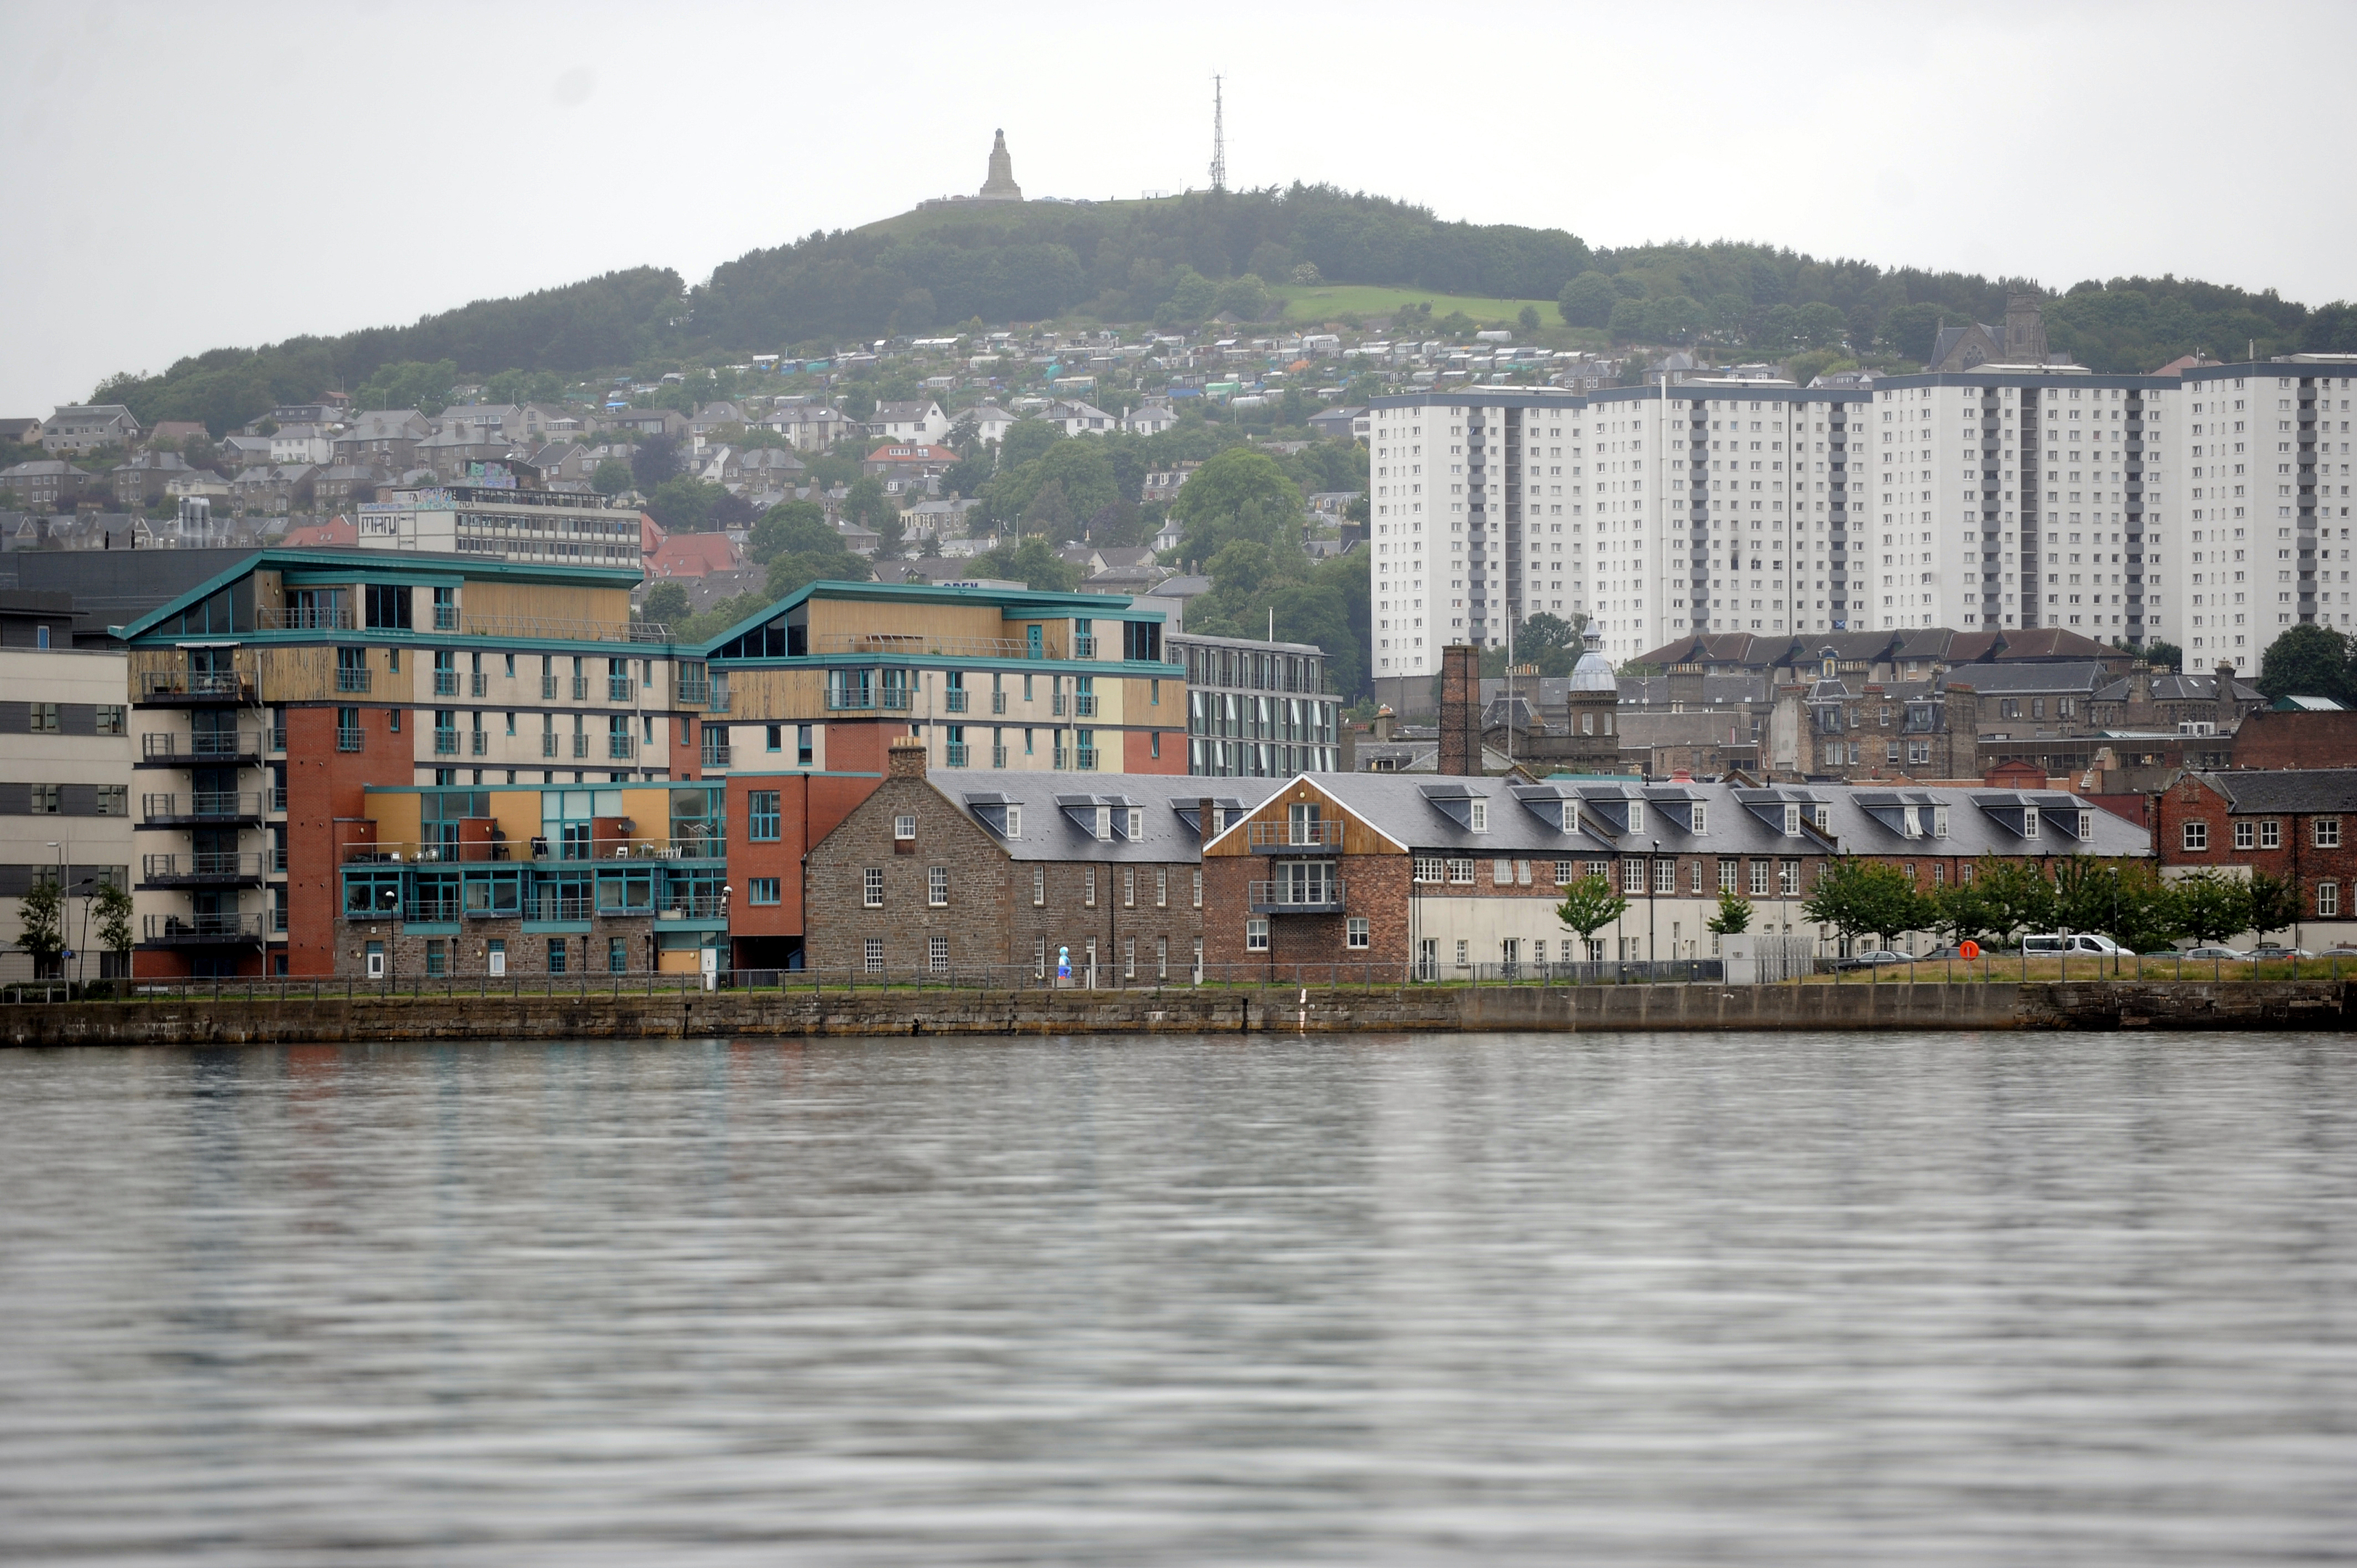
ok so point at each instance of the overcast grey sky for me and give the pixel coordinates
(190, 177)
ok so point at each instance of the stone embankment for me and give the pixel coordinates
(453, 1016)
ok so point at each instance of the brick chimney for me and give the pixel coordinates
(2227, 711)
(1686, 689)
(907, 757)
(2140, 710)
(1461, 710)
(1964, 715)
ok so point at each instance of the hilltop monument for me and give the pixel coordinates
(1000, 186)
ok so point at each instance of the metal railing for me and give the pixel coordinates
(848, 698)
(295, 617)
(1324, 834)
(955, 754)
(694, 693)
(200, 746)
(446, 682)
(581, 688)
(998, 702)
(479, 683)
(1055, 704)
(210, 804)
(351, 679)
(1285, 896)
(478, 743)
(204, 928)
(924, 644)
(350, 739)
(621, 689)
(543, 629)
(446, 743)
(998, 756)
(230, 686)
(895, 699)
(953, 700)
(538, 850)
(691, 906)
(548, 743)
(718, 701)
(581, 743)
(241, 865)
(620, 745)
(716, 756)
(1085, 759)
(548, 688)
(1084, 704)
(1084, 646)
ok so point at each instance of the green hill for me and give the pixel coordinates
(1265, 254)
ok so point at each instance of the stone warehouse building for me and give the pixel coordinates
(949, 874)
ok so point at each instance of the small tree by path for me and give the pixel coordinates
(114, 932)
(1734, 917)
(2211, 908)
(1589, 906)
(40, 932)
(1867, 898)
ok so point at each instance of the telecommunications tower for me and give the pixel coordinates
(1219, 141)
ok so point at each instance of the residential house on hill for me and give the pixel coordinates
(46, 484)
(920, 423)
(645, 421)
(85, 428)
(384, 439)
(810, 426)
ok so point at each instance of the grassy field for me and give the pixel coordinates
(1327, 301)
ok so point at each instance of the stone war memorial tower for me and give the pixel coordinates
(1001, 186)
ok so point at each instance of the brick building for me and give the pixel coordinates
(2294, 737)
(2293, 823)
(950, 872)
(1432, 875)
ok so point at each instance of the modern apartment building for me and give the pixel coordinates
(317, 727)
(1258, 709)
(989, 678)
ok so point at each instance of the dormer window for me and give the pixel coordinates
(2086, 825)
(1636, 816)
(1137, 828)
(1909, 823)
(2029, 822)
(1105, 824)
(1939, 822)
(1015, 822)
(1791, 820)
(1824, 818)
(1477, 816)
(1700, 818)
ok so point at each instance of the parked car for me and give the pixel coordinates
(2071, 943)
(2344, 951)
(2212, 953)
(1870, 960)
(2276, 949)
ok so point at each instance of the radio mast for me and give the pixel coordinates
(1219, 140)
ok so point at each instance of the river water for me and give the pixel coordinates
(1628, 1299)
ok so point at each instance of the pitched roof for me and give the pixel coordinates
(1056, 806)
(2289, 790)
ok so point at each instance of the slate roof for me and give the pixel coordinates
(2178, 689)
(1056, 805)
(2013, 680)
(2288, 790)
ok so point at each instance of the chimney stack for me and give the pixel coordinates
(1461, 710)
(905, 758)
(2227, 712)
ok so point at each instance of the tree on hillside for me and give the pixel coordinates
(1031, 562)
(1240, 494)
(612, 478)
(1528, 319)
(2308, 660)
(653, 461)
(1588, 300)
(666, 604)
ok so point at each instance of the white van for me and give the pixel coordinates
(2078, 942)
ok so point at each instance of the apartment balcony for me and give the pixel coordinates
(848, 698)
(222, 748)
(1084, 704)
(998, 756)
(581, 688)
(955, 754)
(718, 701)
(268, 617)
(953, 700)
(620, 747)
(478, 743)
(1278, 838)
(548, 688)
(1318, 897)
(242, 869)
(446, 743)
(446, 682)
(548, 743)
(479, 685)
(181, 689)
(1084, 646)
(204, 808)
(998, 702)
(351, 739)
(1055, 704)
(895, 699)
(195, 930)
(1086, 758)
(348, 679)
(581, 746)
(619, 689)
(719, 755)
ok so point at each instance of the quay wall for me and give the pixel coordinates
(454, 1015)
